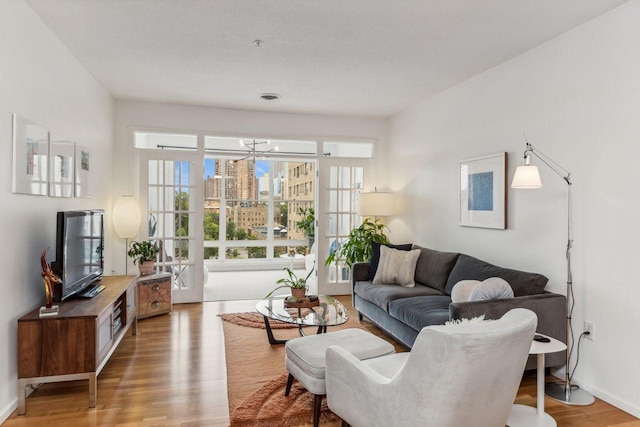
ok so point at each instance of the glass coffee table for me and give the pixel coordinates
(329, 312)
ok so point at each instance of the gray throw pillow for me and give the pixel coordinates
(396, 267)
(491, 288)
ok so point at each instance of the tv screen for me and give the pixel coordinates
(79, 247)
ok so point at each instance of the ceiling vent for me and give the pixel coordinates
(270, 96)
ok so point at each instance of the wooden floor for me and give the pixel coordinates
(173, 374)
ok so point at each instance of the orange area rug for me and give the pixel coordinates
(256, 378)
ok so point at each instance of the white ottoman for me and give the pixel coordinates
(305, 358)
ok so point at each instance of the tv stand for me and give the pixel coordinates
(77, 343)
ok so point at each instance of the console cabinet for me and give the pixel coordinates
(77, 343)
(154, 295)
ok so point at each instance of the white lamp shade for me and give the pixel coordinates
(376, 204)
(126, 217)
(526, 177)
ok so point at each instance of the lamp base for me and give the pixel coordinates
(575, 396)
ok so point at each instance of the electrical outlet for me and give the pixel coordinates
(588, 327)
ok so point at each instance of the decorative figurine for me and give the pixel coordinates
(49, 278)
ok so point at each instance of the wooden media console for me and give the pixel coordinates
(77, 343)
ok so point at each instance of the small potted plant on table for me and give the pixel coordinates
(298, 285)
(143, 254)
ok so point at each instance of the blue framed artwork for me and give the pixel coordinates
(482, 192)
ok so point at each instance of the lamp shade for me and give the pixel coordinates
(526, 177)
(126, 217)
(376, 204)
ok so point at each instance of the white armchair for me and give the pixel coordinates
(457, 375)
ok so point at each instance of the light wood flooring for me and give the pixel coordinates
(173, 373)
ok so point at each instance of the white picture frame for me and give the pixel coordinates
(61, 166)
(482, 191)
(30, 157)
(84, 159)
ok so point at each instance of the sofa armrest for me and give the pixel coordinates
(550, 308)
(359, 273)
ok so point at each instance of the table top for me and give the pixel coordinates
(547, 347)
(330, 312)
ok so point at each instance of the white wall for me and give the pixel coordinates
(41, 81)
(217, 121)
(578, 99)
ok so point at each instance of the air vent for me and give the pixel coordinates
(270, 96)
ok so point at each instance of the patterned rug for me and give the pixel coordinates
(254, 320)
(256, 377)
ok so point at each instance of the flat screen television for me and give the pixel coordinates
(79, 246)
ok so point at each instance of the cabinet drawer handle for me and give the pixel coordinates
(154, 304)
(156, 288)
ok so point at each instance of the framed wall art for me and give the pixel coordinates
(61, 166)
(482, 191)
(30, 157)
(83, 171)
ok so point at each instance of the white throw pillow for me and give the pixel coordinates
(462, 290)
(491, 288)
(396, 267)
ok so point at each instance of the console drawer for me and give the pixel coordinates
(154, 295)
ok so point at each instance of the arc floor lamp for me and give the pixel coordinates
(527, 177)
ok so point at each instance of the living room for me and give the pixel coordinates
(575, 96)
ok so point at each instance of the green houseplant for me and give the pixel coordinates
(144, 254)
(357, 247)
(307, 224)
(298, 285)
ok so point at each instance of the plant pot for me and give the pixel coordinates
(146, 267)
(298, 293)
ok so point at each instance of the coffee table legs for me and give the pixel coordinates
(274, 341)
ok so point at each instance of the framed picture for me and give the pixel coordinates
(61, 166)
(482, 192)
(30, 157)
(83, 171)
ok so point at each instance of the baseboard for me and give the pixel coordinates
(8, 410)
(612, 400)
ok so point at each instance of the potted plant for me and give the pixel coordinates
(298, 285)
(357, 247)
(307, 224)
(144, 254)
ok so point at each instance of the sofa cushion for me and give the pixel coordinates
(462, 290)
(433, 267)
(491, 288)
(522, 283)
(396, 267)
(418, 312)
(375, 256)
(382, 295)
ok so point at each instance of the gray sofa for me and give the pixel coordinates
(403, 311)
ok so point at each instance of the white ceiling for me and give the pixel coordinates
(345, 57)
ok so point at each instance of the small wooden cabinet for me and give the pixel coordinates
(154, 295)
(77, 343)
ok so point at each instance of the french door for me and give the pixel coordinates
(341, 182)
(171, 183)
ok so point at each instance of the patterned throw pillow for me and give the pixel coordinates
(397, 267)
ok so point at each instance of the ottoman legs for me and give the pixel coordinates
(289, 384)
(317, 403)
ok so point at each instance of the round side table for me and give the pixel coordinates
(527, 416)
